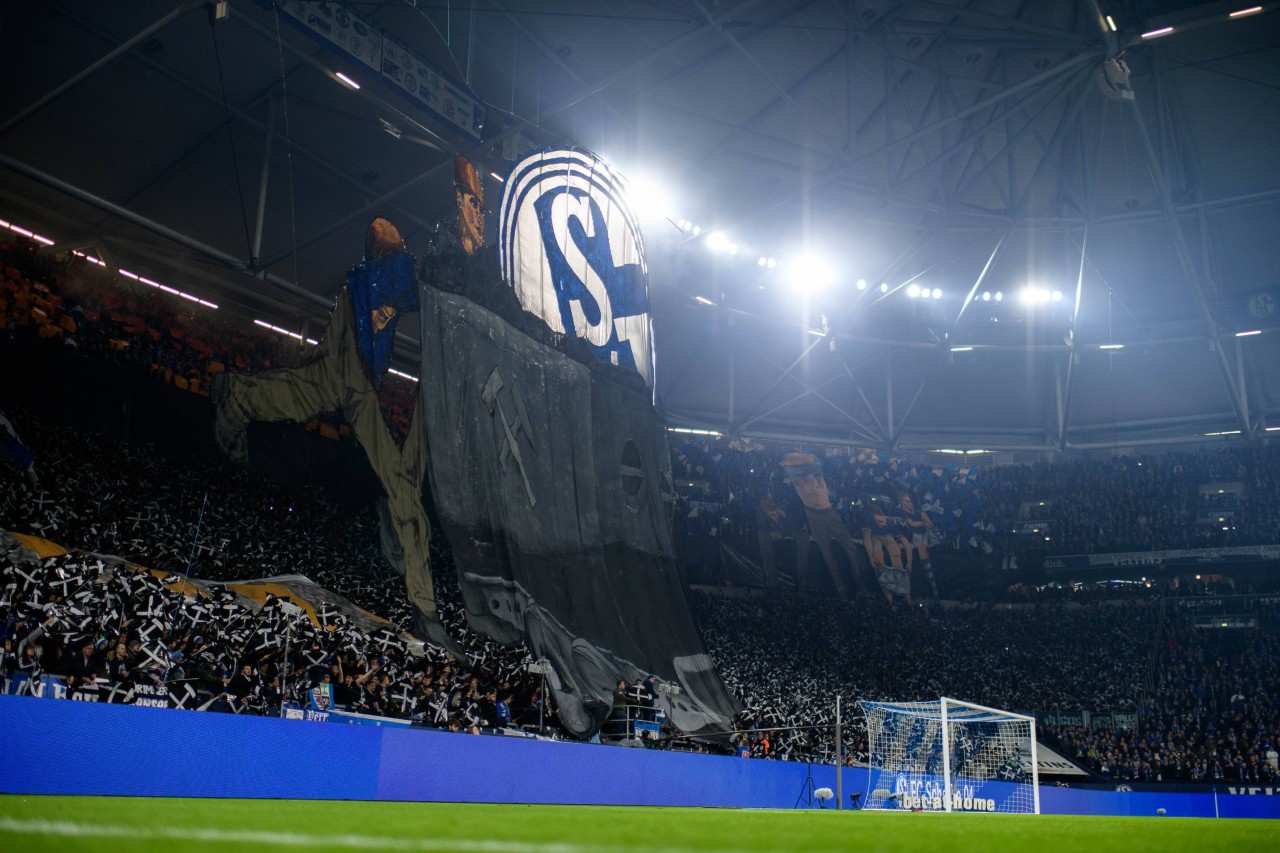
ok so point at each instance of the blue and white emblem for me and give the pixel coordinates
(570, 245)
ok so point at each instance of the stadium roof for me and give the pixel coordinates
(962, 147)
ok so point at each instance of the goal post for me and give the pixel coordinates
(949, 755)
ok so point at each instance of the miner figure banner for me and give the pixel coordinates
(548, 473)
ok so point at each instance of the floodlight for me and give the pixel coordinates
(937, 293)
(913, 291)
(718, 242)
(345, 79)
(810, 273)
(773, 262)
(762, 261)
(1057, 296)
(884, 288)
(647, 198)
(986, 296)
(862, 284)
(999, 296)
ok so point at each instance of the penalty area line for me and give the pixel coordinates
(75, 829)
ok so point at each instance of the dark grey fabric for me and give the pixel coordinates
(552, 485)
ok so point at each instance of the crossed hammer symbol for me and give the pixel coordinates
(511, 429)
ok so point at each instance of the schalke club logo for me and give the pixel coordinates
(570, 245)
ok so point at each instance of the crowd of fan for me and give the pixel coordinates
(788, 659)
(1134, 503)
(1209, 716)
(1212, 715)
(67, 302)
(76, 615)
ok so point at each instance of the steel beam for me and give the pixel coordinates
(99, 64)
(229, 261)
(1064, 416)
(1185, 259)
(782, 378)
(260, 218)
(867, 431)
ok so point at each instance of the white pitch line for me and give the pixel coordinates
(75, 829)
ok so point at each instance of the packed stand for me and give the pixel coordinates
(1001, 514)
(71, 303)
(1212, 716)
(78, 615)
(789, 659)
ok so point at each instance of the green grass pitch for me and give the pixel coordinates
(123, 823)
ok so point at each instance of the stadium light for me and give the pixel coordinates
(718, 241)
(648, 198)
(1057, 296)
(913, 291)
(345, 79)
(773, 262)
(810, 273)
(986, 296)
(862, 284)
(999, 296)
(884, 287)
(937, 293)
(278, 330)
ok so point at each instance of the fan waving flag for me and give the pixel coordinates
(570, 245)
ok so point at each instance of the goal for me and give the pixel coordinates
(950, 755)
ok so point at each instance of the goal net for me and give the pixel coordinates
(950, 755)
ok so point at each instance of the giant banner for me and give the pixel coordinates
(552, 483)
(570, 245)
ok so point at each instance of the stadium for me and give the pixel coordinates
(724, 425)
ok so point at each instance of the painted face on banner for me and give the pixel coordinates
(469, 193)
(571, 248)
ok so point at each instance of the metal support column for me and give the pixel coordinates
(262, 185)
